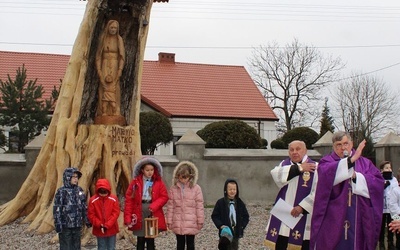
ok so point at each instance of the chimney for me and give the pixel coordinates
(164, 57)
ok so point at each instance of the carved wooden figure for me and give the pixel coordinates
(110, 61)
(73, 139)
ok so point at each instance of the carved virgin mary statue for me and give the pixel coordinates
(110, 60)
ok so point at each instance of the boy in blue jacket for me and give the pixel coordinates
(69, 210)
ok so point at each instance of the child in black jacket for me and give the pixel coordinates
(230, 211)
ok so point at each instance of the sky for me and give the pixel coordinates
(365, 34)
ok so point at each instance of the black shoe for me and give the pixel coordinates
(391, 245)
(381, 245)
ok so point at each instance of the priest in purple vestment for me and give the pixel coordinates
(295, 178)
(348, 203)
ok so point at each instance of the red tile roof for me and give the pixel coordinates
(48, 69)
(173, 88)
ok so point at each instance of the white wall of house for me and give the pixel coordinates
(144, 107)
(181, 125)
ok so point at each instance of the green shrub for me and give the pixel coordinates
(278, 144)
(230, 134)
(308, 135)
(3, 140)
(264, 143)
(155, 130)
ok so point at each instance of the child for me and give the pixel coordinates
(230, 211)
(145, 197)
(185, 209)
(69, 210)
(103, 213)
(390, 182)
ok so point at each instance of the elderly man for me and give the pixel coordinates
(295, 178)
(348, 199)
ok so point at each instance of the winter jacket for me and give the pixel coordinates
(133, 195)
(104, 210)
(69, 210)
(220, 214)
(185, 208)
(394, 201)
(392, 184)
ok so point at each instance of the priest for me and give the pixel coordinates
(295, 177)
(348, 199)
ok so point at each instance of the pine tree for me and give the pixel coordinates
(23, 107)
(326, 120)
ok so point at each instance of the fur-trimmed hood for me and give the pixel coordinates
(158, 171)
(193, 172)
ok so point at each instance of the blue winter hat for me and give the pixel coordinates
(227, 233)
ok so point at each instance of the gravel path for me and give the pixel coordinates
(13, 236)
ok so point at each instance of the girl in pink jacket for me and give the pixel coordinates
(185, 207)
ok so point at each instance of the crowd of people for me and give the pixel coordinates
(145, 197)
(341, 202)
(344, 201)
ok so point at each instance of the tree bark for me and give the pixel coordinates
(99, 151)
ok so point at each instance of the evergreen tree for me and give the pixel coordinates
(22, 107)
(326, 120)
(51, 102)
(155, 130)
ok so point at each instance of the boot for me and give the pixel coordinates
(391, 245)
(140, 243)
(150, 244)
(381, 245)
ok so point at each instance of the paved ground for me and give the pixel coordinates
(14, 236)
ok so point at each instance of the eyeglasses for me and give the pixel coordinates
(340, 145)
(75, 176)
(184, 176)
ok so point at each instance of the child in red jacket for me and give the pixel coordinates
(145, 197)
(103, 213)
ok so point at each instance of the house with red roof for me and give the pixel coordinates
(191, 95)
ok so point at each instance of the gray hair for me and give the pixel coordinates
(338, 136)
(303, 144)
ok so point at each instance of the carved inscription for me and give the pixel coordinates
(122, 136)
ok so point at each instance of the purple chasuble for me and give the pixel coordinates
(297, 233)
(332, 214)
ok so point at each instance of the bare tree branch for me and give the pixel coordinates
(291, 79)
(367, 106)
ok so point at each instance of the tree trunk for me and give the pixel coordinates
(99, 151)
